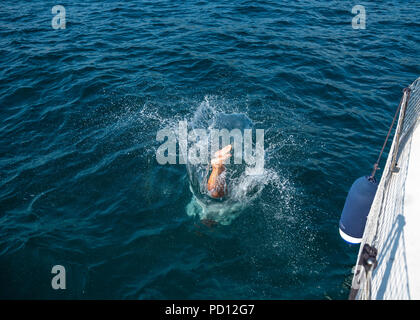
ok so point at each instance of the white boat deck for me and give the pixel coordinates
(393, 225)
(411, 229)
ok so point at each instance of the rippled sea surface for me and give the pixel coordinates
(80, 108)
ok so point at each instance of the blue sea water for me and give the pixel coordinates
(80, 108)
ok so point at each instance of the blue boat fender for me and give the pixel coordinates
(356, 209)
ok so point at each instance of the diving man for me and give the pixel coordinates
(216, 183)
